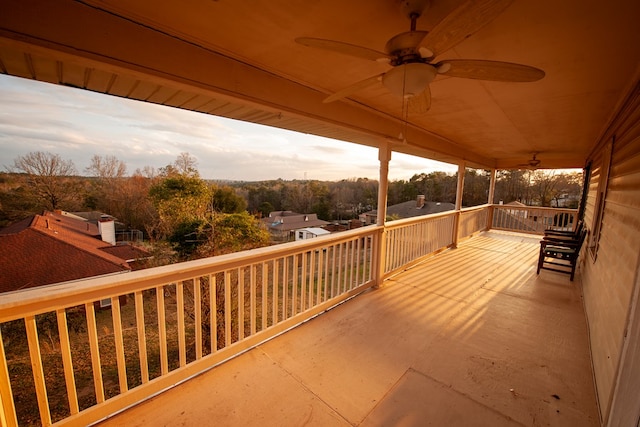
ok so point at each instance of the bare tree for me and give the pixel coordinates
(186, 164)
(107, 168)
(49, 178)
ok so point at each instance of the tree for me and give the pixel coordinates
(50, 179)
(179, 199)
(108, 186)
(226, 200)
(186, 164)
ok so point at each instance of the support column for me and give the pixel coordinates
(492, 187)
(492, 192)
(384, 156)
(459, 190)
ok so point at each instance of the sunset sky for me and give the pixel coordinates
(78, 124)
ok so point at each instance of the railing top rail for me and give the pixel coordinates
(540, 208)
(474, 208)
(18, 304)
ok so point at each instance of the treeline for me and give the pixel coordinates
(174, 199)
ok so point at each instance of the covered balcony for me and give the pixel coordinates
(439, 318)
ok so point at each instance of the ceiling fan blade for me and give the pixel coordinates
(464, 21)
(344, 48)
(353, 88)
(421, 102)
(489, 70)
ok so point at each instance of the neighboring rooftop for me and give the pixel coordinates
(288, 221)
(409, 209)
(58, 247)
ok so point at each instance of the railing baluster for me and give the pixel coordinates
(8, 415)
(294, 286)
(119, 344)
(303, 282)
(252, 298)
(357, 266)
(37, 370)
(227, 308)
(142, 337)
(182, 345)
(310, 280)
(162, 330)
(319, 280)
(240, 303)
(213, 312)
(95, 351)
(285, 287)
(274, 286)
(67, 364)
(197, 314)
(265, 291)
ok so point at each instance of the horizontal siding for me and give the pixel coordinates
(608, 280)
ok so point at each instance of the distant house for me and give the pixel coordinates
(59, 247)
(408, 209)
(283, 224)
(310, 233)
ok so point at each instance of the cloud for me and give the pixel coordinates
(78, 124)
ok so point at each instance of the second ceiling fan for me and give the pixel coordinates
(412, 54)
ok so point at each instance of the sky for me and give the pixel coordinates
(77, 124)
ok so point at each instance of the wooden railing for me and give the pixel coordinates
(534, 220)
(472, 220)
(409, 240)
(84, 350)
(77, 362)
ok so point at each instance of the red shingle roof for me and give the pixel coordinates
(52, 248)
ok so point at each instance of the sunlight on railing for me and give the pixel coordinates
(75, 353)
(80, 351)
(411, 239)
(528, 219)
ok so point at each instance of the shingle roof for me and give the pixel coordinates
(410, 209)
(288, 220)
(52, 248)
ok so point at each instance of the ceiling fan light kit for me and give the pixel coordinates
(410, 79)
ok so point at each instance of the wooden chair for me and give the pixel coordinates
(574, 234)
(560, 254)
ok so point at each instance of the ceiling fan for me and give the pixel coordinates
(412, 54)
(532, 163)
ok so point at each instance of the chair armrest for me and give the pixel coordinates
(561, 240)
(560, 232)
(571, 244)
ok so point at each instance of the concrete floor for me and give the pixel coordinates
(471, 337)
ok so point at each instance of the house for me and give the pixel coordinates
(250, 63)
(283, 224)
(310, 233)
(408, 209)
(59, 247)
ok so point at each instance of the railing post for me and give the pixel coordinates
(491, 209)
(384, 156)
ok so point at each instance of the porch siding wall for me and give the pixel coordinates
(609, 278)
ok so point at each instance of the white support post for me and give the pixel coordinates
(492, 192)
(384, 156)
(492, 187)
(459, 190)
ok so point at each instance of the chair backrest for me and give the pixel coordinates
(581, 238)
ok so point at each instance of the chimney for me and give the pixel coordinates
(107, 228)
(420, 201)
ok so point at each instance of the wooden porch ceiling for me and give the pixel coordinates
(489, 344)
(238, 59)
